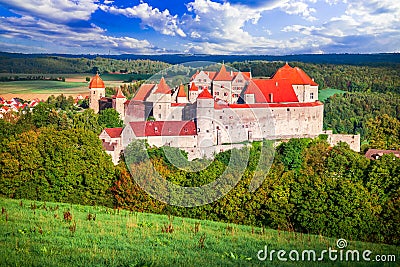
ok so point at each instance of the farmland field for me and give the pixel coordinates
(324, 94)
(56, 234)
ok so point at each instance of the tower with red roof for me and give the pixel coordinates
(162, 101)
(306, 89)
(97, 91)
(118, 101)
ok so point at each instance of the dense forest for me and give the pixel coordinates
(350, 112)
(64, 65)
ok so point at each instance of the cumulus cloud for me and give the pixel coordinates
(55, 10)
(29, 28)
(365, 26)
(161, 21)
(299, 8)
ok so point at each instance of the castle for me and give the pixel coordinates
(216, 111)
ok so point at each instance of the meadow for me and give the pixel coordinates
(324, 94)
(56, 234)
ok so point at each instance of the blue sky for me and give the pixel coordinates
(199, 26)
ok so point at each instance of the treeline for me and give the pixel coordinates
(59, 65)
(310, 188)
(350, 112)
(344, 77)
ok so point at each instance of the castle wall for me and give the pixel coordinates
(352, 140)
(297, 122)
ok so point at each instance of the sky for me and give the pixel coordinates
(222, 27)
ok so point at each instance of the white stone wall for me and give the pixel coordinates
(118, 105)
(306, 93)
(222, 90)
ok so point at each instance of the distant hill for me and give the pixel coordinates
(348, 59)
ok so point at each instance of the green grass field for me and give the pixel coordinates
(37, 234)
(324, 94)
(42, 87)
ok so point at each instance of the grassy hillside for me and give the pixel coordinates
(55, 234)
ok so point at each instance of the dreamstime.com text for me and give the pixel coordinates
(331, 254)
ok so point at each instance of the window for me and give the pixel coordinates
(159, 116)
(159, 106)
(216, 93)
(220, 117)
(225, 94)
(311, 95)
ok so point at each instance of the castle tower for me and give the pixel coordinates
(205, 119)
(118, 103)
(222, 85)
(306, 89)
(162, 105)
(182, 97)
(193, 93)
(97, 91)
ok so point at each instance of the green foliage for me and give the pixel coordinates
(47, 164)
(109, 118)
(291, 152)
(384, 132)
(350, 112)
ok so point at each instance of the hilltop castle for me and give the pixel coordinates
(216, 111)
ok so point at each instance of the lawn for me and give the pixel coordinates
(324, 94)
(56, 234)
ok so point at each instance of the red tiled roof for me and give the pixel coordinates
(178, 104)
(294, 75)
(280, 90)
(163, 87)
(119, 94)
(205, 94)
(274, 105)
(96, 82)
(163, 128)
(113, 132)
(182, 92)
(376, 153)
(143, 92)
(193, 88)
(223, 75)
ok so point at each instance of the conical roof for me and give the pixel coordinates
(96, 82)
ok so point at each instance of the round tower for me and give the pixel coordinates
(97, 91)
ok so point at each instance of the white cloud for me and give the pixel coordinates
(299, 8)
(161, 21)
(29, 28)
(54, 10)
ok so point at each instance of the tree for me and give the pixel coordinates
(384, 132)
(109, 118)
